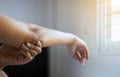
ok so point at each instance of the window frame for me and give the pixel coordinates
(104, 43)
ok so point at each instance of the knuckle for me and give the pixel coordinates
(25, 48)
(38, 49)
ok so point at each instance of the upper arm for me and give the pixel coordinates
(14, 32)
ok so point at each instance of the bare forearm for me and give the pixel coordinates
(51, 37)
(15, 33)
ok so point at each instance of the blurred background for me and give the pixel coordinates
(80, 17)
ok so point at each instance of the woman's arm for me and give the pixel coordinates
(51, 37)
(14, 56)
(76, 46)
(14, 32)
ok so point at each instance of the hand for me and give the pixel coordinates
(14, 56)
(78, 49)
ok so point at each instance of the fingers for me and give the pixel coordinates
(78, 57)
(27, 54)
(81, 53)
(36, 48)
(30, 50)
(39, 44)
(84, 52)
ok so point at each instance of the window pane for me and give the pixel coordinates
(115, 5)
(115, 20)
(115, 33)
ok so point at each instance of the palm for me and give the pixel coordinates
(12, 55)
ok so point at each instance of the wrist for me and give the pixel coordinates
(72, 38)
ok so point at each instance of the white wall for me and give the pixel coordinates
(33, 11)
(79, 17)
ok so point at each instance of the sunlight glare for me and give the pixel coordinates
(115, 5)
(115, 20)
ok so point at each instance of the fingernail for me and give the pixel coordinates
(40, 50)
(28, 44)
(39, 43)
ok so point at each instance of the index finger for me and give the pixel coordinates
(39, 43)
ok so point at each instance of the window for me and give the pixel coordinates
(108, 25)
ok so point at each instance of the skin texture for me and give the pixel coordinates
(26, 32)
(13, 56)
(76, 46)
(15, 33)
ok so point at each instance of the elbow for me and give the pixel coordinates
(34, 28)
